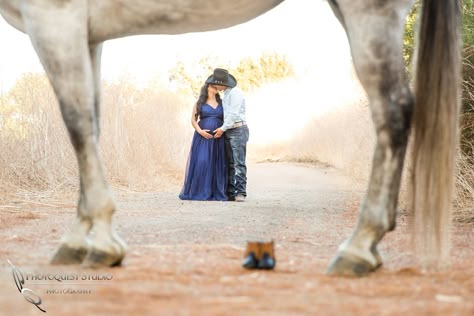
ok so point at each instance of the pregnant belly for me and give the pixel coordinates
(210, 123)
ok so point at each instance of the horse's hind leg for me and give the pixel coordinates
(59, 34)
(375, 35)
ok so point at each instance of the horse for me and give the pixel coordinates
(68, 37)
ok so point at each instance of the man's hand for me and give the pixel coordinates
(218, 133)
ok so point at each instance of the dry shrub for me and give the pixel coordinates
(145, 135)
(332, 127)
(464, 203)
(464, 206)
(345, 138)
(143, 140)
(145, 132)
(252, 73)
(36, 152)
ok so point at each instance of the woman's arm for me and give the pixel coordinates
(194, 123)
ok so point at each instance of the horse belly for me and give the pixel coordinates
(110, 19)
(9, 10)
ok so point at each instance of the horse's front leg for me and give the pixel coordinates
(107, 247)
(375, 35)
(59, 35)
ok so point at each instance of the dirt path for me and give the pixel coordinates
(184, 257)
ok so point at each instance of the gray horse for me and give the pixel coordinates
(68, 35)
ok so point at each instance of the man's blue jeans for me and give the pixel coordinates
(236, 151)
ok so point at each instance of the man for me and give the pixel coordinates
(236, 132)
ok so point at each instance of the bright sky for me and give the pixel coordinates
(305, 30)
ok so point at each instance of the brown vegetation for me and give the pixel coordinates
(143, 138)
(146, 133)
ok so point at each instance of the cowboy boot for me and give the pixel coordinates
(252, 252)
(267, 259)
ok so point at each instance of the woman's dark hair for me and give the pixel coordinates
(203, 98)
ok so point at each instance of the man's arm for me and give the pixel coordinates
(231, 113)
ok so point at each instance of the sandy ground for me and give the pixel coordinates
(185, 257)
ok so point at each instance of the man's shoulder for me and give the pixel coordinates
(236, 88)
(236, 91)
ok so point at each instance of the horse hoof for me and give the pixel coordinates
(348, 265)
(69, 255)
(98, 258)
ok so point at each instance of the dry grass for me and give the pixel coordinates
(145, 140)
(341, 136)
(464, 203)
(345, 139)
(146, 136)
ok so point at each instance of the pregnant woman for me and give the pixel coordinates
(206, 173)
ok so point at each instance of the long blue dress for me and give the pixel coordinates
(206, 173)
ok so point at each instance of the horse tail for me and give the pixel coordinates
(435, 128)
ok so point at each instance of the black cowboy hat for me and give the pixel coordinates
(222, 77)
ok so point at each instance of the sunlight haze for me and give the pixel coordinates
(305, 31)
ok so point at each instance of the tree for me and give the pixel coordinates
(188, 77)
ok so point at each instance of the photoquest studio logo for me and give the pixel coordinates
(29, 295)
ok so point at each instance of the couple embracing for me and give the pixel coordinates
(216, 168)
